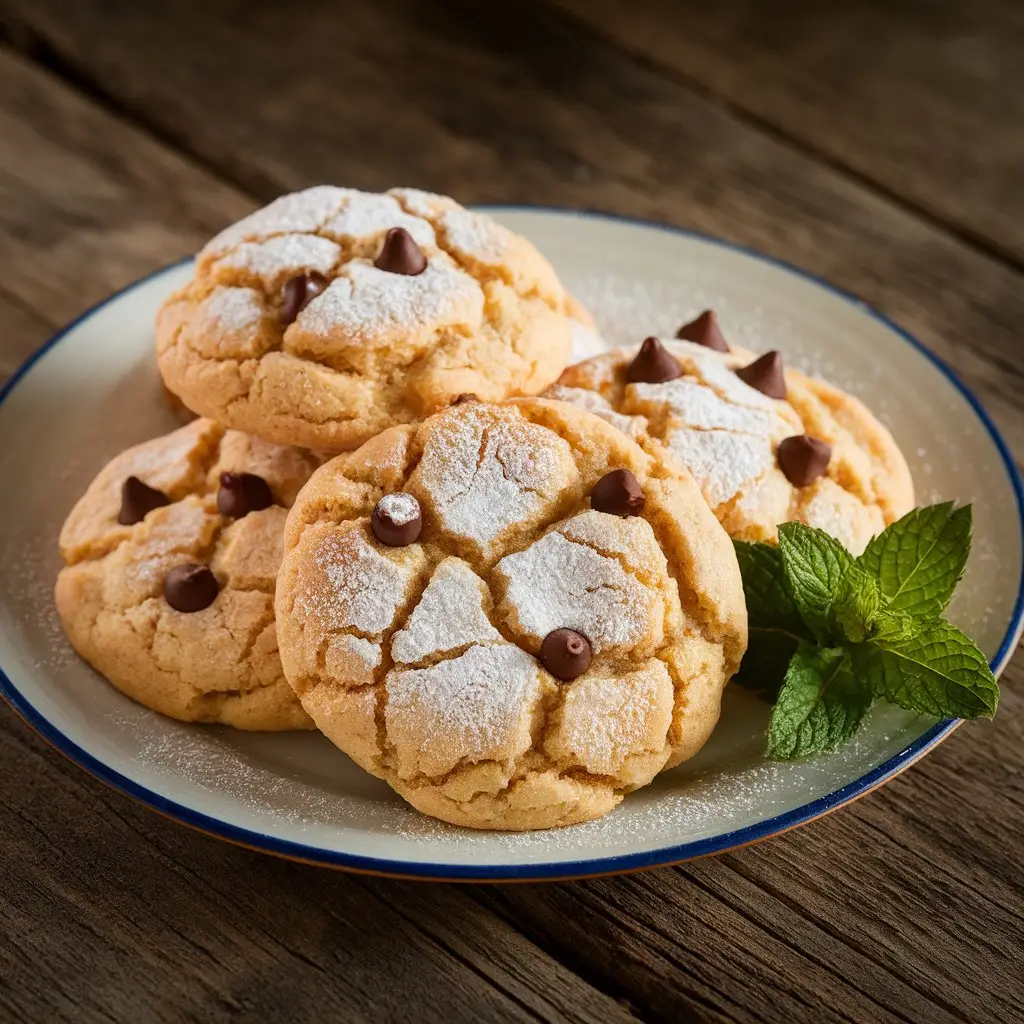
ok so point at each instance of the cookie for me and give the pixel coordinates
(332, 314)
(766, 444)
(510, 612)
(170, 560)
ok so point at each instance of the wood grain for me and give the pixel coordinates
(87, 205)
(109, 912)
(924, 100)
(906, 907)
(554, 115)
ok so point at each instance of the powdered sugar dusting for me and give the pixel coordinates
(475, 235)
(557, 583)
(593, 402)
(722, 463)
(605, 720)
(449, 614)
(365, 214)
(295, 213)
(696, 405)
(716, 371)
(843, 515)
(487, 473)
(630, 537)
(283, 255)
(420, 203)
(400, 508)
(351, 659)
(234, 310)
(360, 588)
(475, 707)
(183, 527)
(372, 306)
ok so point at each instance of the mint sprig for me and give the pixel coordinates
(820, 704)
(830, 633)
(814, 565)
(919, 560)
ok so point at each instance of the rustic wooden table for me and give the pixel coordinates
(878, 144)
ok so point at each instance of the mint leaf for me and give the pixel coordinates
(774, 622)
(857, 605)
(928, 666)
(814, 564)
(769, 603)
(820, 705)
(920, 558)
(894, 626)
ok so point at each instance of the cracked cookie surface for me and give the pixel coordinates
(487, 315)
(218, 664)
(727, 434)
(422, 659)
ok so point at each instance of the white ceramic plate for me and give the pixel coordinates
(93, 390)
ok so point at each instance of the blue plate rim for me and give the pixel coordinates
(661, 857)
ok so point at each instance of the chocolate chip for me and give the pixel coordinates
(803, 459)
(298, 292)
(138, 499)
(400, 254)
(704, 331)
(765, 375)
(619, 493)
(566, 654)
(397, 519)
(190, 587)
(242, 493)
(653, 364)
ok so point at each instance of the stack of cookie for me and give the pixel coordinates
(513, 609)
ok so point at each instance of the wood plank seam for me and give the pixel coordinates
(782, 937)
(19, 38)
(942, 869)
(495, 900)
(962, 233)
(465, 961)
(492, 898)
(866, 950)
